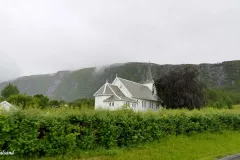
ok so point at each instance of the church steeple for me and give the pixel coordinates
(149, 74)
(149, 79)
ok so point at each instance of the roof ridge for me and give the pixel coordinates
(130, 81)
(105, 86)
(137, 90)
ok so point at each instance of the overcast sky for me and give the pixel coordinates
(44, 36)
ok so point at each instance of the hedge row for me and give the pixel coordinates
(56, 134)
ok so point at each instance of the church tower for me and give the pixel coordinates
(149, 82)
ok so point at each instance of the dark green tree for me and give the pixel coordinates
(43, 100)
(221, 98)
(9, 90)
(181, 88)
(20, 100)
(54, 103)
(229, 102)
(83, 102)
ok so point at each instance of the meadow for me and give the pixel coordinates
(204, 146)
(80, 134)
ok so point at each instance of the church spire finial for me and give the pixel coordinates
(116, 74)
(106, 80)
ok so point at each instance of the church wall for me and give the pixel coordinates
(99, 102)
(140, 106)
(144, 105)
(117, 105)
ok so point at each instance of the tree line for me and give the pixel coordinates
(12, 94)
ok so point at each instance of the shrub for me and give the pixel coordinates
(83, 103)
(229, 102)
(54, 103)
(37, 132)
(20, 100)
(43, 101)
(220, 98)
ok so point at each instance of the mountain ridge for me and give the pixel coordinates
(82, 83)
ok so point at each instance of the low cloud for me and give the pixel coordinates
(8, 69)
(47, 36)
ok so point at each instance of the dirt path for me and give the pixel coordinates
(233, 157)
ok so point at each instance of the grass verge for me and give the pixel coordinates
(205, 146)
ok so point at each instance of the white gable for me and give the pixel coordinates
(118, 83)
(6, 106)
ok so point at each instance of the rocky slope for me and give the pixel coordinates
(71, 85)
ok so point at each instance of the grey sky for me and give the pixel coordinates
(44, 36)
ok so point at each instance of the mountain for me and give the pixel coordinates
(71, 85)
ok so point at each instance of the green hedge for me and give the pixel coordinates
(43, 134)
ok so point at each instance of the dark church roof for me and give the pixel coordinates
(138, 90)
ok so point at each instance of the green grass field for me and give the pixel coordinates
(200, 146)
(206, 146)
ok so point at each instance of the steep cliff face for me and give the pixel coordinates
(83, 83)
(39, 84)
(226, 74)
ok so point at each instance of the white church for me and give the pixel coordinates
(122, 92)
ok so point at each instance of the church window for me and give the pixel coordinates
(110, 104)
(134, 105)
(113, 104)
